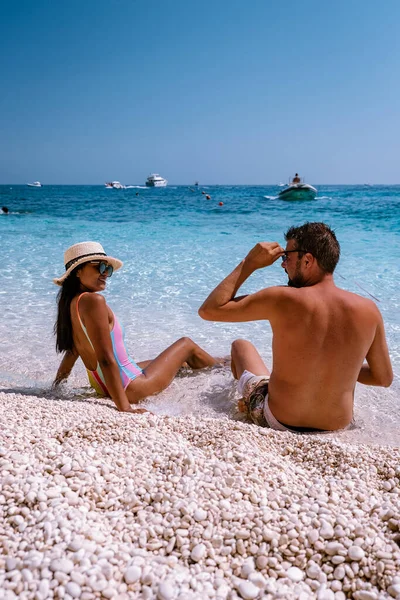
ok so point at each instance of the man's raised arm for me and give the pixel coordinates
(221, 304)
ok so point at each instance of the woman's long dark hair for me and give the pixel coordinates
(63, 324)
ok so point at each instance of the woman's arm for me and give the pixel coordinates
(94, 313)
(65, 368)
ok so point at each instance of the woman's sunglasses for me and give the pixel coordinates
(104, 268)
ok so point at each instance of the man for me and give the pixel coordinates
(296, 178)
(321, 335)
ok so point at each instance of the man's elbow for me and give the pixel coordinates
(386, 379)
(205, 314)
(387, 382)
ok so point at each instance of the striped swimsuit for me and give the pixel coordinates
(128, 369)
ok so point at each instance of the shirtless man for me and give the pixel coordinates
(321, 335)
(296, 178)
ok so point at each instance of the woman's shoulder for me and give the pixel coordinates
(91, 301)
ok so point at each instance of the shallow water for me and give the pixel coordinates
(176, 246)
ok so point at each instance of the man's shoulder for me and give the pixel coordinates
(357, 299)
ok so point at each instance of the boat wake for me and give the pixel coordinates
(270, 197)
(138, 187)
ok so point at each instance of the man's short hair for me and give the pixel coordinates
(319, 240)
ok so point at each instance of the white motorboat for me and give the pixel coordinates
(35, 184)
(155, 180)
(298, 191)
(115, 185)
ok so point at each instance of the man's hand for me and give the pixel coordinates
(263, 255)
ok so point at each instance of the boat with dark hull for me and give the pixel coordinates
(298, 191)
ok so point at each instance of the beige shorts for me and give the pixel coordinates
(254, 389)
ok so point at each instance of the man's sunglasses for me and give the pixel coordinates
(104, 268)
(284, 257)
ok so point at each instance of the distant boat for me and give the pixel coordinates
(155, 180)
(196, 183)
(298, 191)
(35, 184)
(115, 185)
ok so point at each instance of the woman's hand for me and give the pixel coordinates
(139, 411)
(69, 359)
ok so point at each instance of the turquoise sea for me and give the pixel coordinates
(176, 246)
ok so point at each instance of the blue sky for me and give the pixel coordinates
(220, 91)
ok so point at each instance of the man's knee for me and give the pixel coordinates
(239, 345)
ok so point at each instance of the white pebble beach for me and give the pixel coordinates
(98, 504)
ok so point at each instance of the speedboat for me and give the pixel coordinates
(155, 180)
(298, 191)
(35, 184)
(115, 185)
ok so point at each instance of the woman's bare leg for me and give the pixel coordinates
(159, 373)
(245, 357)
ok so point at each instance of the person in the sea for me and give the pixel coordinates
(88, 328)
(5, 210)
(296, 178)
(321, 335)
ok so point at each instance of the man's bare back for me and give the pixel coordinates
(321, 336)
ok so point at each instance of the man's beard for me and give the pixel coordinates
(298, 280)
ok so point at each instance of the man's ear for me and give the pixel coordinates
(308, 258)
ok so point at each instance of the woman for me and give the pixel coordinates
(88, 328)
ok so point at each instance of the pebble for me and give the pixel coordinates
(165, 591)
(248, 590)
(200, 515)
(62, 564)
(355, 553)
(198, 552)
(73, 589)
(295, 574)
(132, 574)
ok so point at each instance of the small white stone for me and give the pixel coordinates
(198, 552)
(165, 591)
(313, 570)
(326, 531)
(44, 588)
(332, 548)
(73, 589)
(261, 562)
(62, 564)
(200, 515)
(11, 563)
(355, 553)
(295, 574)
(324, 594)
(339, 573)
(365, 595)
(248, 590)
(132, 574)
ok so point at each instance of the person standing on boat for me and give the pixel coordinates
(296, 178)
(321, 336)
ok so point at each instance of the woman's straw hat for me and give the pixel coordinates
(85, 252)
